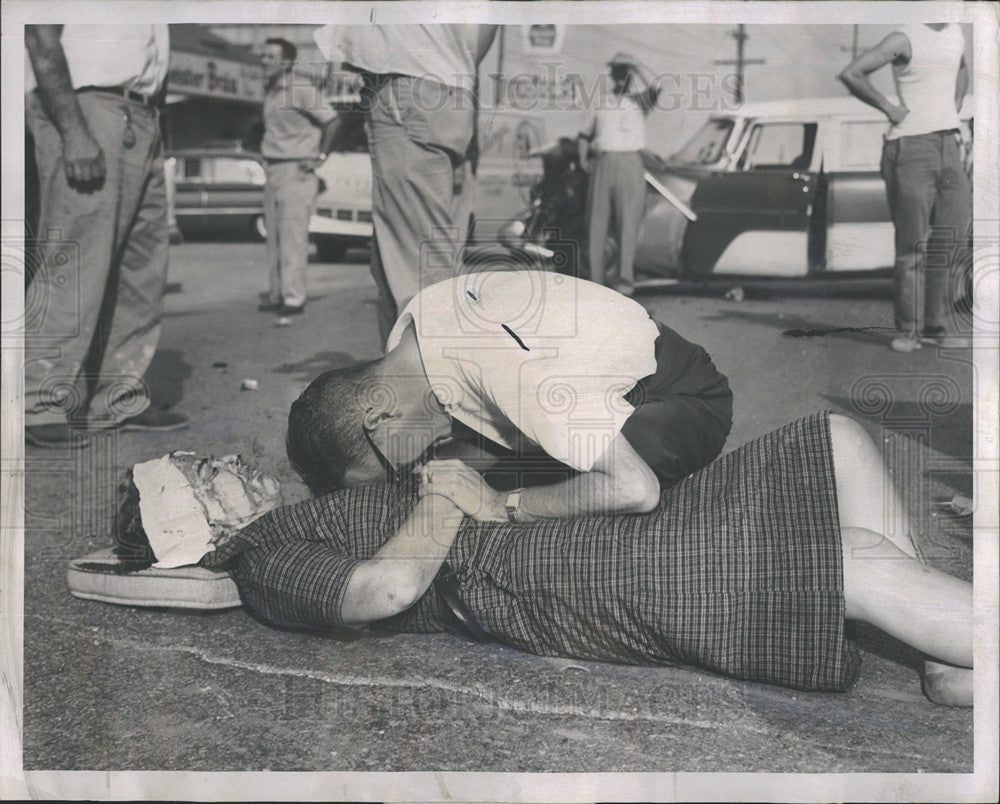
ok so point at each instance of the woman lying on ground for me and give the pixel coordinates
(748, 568)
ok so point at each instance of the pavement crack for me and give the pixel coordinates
(481, 692)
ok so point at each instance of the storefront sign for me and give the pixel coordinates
(542, 40)
(192, 74)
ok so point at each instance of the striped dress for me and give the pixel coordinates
(738, 570)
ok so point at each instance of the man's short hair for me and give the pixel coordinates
(326, 426)
(288, 50)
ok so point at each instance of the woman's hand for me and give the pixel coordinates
(465, 487)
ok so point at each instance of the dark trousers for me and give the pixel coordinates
(683, 411)
(927, 188)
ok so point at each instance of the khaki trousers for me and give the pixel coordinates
(617, 188)
(289, 198)
(422, 186)
(94, 305)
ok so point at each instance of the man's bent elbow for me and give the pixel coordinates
(640, 496)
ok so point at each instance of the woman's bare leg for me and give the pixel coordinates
(866, 496)
(919, 605)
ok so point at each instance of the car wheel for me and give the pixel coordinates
(259, 227)
(330, 248)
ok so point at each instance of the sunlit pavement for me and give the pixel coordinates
(120, 688)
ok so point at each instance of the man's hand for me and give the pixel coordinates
(83, 159)
(895, 48)
(896, 114)
(465, 487)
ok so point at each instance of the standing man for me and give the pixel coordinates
(420, 84)
(93, 111)
(614, 135)
(297, 135)
(922, 165)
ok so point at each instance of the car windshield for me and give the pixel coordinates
(705, 147)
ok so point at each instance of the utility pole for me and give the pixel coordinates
(855, 42)
(498, 84)
(741, 61)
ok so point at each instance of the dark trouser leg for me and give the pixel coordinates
(910, 170)
(952, 222)
(679, 435)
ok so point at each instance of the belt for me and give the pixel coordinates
(153, 101)
(463, 621)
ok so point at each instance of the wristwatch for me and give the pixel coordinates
(512, 504)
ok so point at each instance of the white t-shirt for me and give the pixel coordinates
(135, 57)
(618, 125)
(440, 53)
(926, 83)
(531, 359)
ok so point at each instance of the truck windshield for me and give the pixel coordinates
(705, 147)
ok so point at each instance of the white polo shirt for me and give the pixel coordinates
(533, 359)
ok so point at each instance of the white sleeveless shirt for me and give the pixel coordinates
(926, 83)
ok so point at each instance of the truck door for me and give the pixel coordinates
(754, 219)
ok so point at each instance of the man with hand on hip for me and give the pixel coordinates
(297, 134)
(922, 164)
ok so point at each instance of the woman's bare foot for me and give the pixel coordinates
(948, 686)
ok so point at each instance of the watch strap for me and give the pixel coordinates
(512, 504)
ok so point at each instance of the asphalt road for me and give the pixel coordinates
(109, 687)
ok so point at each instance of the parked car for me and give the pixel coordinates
(779, 189)
(506, 171)
(217, 189)
(222, 187)
(342, 217)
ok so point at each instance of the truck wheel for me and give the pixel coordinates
(330, 248)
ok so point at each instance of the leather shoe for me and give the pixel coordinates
(53, 436)
(291, 309)
(269, 306)
(153, 420)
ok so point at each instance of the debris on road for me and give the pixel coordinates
(283, 322)
(249, 385)
(220, 364)
(735, 294)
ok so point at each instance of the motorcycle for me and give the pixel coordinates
(553, 229)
